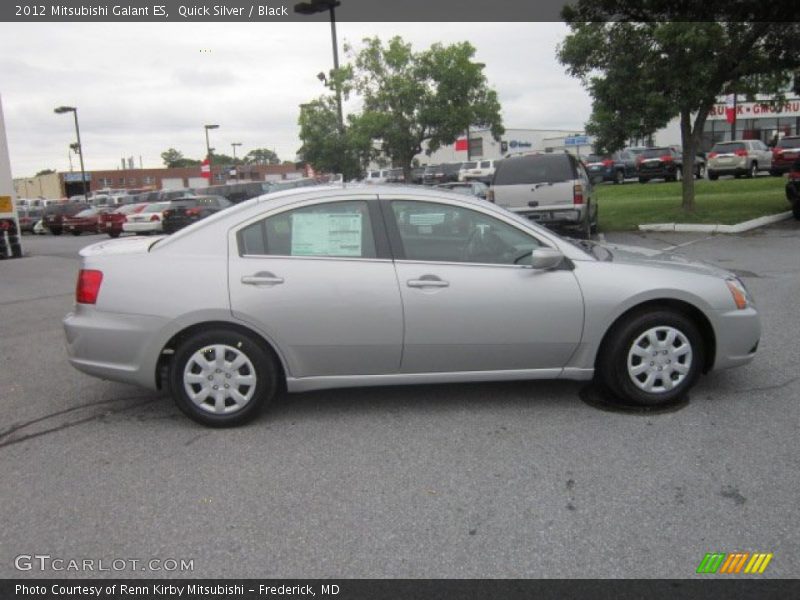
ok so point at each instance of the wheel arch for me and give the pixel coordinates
(680, 306)
(168, 350)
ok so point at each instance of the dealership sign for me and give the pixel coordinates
(75, 177)
(759, 110)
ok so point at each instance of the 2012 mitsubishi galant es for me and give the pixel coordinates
(360, 286)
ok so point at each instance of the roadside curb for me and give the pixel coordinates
(698, 228)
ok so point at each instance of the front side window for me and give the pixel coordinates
(444, 233)
(333, 229)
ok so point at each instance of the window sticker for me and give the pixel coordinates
(326, 234)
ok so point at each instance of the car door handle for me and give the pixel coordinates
(421, 283)
(262, 279)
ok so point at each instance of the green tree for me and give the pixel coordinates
(328, 147)
(173, 158)
(409, 99)
(261, 156)
(643, 74)
(430, 97)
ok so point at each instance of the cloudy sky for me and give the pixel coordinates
(142, 88)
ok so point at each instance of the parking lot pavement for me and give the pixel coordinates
(487, 480)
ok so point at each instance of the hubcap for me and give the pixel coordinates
(219, 379)
(659, 359)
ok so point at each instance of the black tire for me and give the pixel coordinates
(752, 171)
(76, 232)
(643, 180)
(619, 177)
(113, 234)
(613, 357)
(264, 368)
(56, 231)
(712, 175)
(796, 209)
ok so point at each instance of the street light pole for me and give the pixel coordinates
(233, 145)
(64, 109)
(317, 6)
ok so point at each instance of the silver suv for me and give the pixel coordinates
(551, 189)
(739, 157)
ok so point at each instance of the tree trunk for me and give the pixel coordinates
(688, 149)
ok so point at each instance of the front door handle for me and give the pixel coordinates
(423, 283)
(264, 278)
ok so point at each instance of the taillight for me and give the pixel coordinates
(155, 217)
(666, 158)
(741, 153)
(608, 163)
(776, 152)
(192, 212)
(577, 194)
(712, 154)
(88, 287)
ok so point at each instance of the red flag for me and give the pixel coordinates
(461, 144)
(205, 169)
(730, 108)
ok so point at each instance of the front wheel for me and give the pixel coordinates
(222, 378)
(651, 358)
(619, 177)
(643, 180)
(753, 171)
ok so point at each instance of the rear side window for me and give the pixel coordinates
(486, 164)
(333, 229)
(544, 168)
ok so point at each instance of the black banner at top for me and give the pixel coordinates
(283, 11)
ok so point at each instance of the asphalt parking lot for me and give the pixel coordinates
(511, 480)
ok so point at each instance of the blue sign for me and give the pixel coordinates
(75, 177)
(576, 140)
(518, 144)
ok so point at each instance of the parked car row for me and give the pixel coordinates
(665, 163)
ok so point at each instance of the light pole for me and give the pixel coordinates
(317, 6)
(233, 145)
(60, 111)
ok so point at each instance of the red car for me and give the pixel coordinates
(785, 152)
(111, 222)
(84, 221)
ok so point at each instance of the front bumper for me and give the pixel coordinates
(144, 227)
(738, 333)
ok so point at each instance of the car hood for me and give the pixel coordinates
(128, 245)
(668, 260)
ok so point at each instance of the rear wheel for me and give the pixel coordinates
(643, 180)
(76, 232)
(222, 378)
(651, 358)
(113, 234)
(619, 177)
(56, 231)
(712, 175)
(753, 171)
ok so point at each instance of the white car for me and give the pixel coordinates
(150, 220)
(739, 157)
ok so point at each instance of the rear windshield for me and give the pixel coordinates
(789, 143)
(728, 148)
(156, 207)
(593, 158)
(542, 168)
(486, 164)
(656, 152)
(67, 209)
(469, 165)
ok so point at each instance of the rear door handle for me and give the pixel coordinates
(422, 283)
(262, 279)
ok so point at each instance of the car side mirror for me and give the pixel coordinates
(546, 258)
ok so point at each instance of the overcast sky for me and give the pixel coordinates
(142, 88)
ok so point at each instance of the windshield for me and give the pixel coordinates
(542, 168)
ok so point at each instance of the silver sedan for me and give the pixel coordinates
(364, 286)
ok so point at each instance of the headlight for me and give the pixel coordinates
(739, 292)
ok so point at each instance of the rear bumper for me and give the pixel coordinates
(114, 346)
(568, 215)
(145, 227)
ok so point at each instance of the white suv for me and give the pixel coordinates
(739, 157)
(481, 170)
